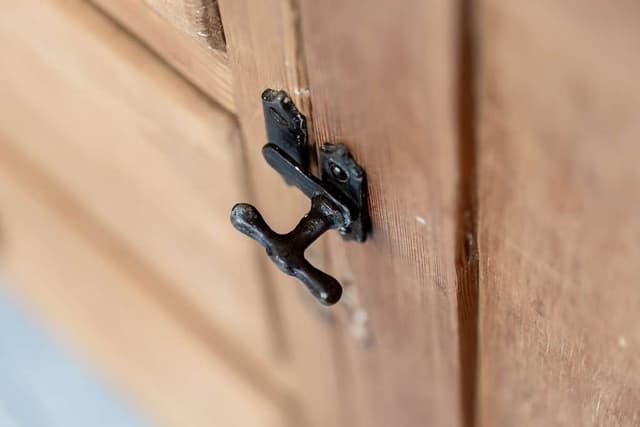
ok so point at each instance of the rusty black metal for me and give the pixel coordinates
(338, 197)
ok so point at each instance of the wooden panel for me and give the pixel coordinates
(105, 311)
(264, 51)
(559, 219)
(383, 81)
(151, 159)
(196, 59)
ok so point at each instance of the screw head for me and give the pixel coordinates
(338, 173)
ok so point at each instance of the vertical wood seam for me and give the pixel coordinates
(467, 260)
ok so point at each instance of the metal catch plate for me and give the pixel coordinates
(340, 176)
(340, 172)
(286, 126)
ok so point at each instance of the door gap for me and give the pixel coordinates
(466, 219)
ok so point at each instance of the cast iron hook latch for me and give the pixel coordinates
(338, 197)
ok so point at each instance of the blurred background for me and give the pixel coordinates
(44, 384)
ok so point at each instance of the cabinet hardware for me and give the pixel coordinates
(338, 196)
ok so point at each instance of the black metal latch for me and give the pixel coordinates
(338, 197)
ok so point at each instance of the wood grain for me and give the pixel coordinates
(264, 52)
(196, 59)
(102, 309)
(383, 81)
(146, 155)
(559, 218)
(200, 19)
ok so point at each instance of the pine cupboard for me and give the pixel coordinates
(499, 284)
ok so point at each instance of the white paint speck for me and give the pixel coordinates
(622, 342)
(421, 220)
(301, 91)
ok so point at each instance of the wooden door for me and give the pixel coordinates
(339, 62)
(384, 81)
(115, 225)
(559, 213)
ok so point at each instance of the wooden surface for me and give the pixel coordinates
(264, 50)
(200, 19)
(194, 58)
(143, 153)
(105, 310)
(559, 213)
(127, 163)
(383, 81)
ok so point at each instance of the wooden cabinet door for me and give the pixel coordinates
(498, 285)
(383, 80)
(117, 179)
(559, 213)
